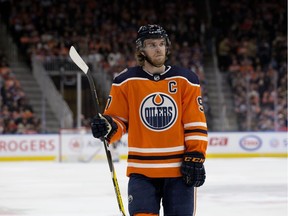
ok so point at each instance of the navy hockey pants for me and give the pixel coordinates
(145, 195)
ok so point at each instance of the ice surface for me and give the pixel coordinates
(234, 187)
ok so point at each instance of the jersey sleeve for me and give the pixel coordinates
(117, 108)
(194, 120)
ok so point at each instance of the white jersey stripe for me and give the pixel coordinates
(149, 165)
(196, 138)
(134, 78)
(193, 124)
(181, 77)
(172, 77)
(156, 150)
(122, 129)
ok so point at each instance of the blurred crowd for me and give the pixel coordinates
(16, 115)
(251, 43)
(105, 31)
(252, 50)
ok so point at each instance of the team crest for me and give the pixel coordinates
(158, 111)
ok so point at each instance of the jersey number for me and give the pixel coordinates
(200, 103)
(108, 102)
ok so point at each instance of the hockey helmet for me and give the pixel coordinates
(151, 31)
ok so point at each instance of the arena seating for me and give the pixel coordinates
(105, 31)
(16, 115)
(252, 52)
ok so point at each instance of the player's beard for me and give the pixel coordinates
(157, 61)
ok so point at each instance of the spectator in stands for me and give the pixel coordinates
(15, 111)
(224, 54)
(261, 48)
(99, 32)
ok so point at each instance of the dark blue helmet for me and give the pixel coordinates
(151, 31)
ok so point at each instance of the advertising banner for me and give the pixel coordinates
(29, 147)
(83, 147)
(236, 144)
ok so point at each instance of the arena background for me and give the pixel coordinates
(237, 48)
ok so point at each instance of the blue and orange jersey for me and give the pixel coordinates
(163, 115)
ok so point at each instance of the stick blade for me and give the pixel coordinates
(78, 60)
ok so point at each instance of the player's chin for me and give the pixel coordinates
(159, 60)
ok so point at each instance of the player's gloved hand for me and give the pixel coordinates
(192, 169)
(103, 126)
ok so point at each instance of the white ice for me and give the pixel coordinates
(234, 187)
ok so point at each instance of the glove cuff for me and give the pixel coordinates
(195, 157)
(111, 126)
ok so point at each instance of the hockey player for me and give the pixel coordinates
(160, 107)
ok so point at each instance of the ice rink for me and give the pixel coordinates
(234, 187)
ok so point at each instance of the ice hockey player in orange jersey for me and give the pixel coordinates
(160, 107)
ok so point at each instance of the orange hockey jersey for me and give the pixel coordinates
(163, 115)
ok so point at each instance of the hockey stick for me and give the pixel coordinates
(84, 67)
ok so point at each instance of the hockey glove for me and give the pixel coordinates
(103, 126)
(192, 169)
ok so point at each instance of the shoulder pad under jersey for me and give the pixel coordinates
(128, 73)
(183, 72)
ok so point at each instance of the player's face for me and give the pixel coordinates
(155, 51)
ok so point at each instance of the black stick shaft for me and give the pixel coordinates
(108, 153)
(83, 66)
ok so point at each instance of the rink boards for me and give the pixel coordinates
(83, 147)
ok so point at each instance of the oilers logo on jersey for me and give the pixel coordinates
(158, 111)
